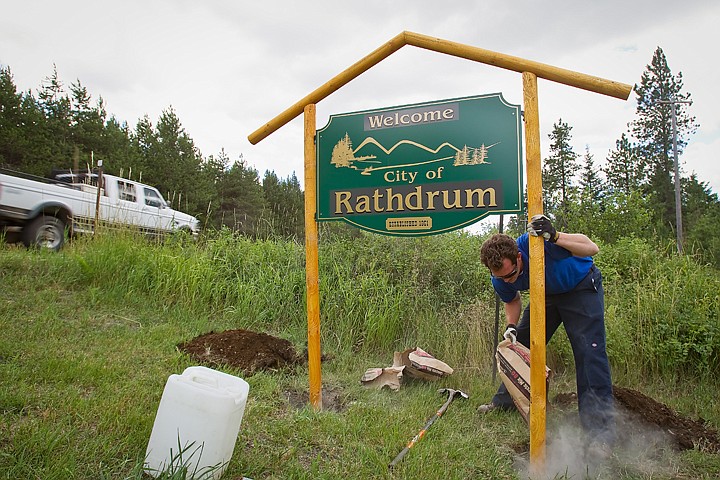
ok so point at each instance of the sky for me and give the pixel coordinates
(227, 67)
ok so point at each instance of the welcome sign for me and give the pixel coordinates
(421, 169)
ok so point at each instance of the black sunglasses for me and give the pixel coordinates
(509, 275)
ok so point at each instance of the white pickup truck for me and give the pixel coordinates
(43, 211)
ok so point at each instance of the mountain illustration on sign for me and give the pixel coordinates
(343, 154)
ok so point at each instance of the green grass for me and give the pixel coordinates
(90, 334)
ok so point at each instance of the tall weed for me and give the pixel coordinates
(383, 293)
(662, 309)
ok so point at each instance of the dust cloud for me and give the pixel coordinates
(640, 449)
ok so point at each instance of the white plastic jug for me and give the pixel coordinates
(197, 423)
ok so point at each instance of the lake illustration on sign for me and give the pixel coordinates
(343, 154)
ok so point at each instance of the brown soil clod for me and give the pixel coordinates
(243, 349)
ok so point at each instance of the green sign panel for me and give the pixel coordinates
(421, 169)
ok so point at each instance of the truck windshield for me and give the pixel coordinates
(153, 198)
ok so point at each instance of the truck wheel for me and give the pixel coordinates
(45, 232)
(181, 236)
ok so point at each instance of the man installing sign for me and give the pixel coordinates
(574, 297)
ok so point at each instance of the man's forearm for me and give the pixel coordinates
(512, 310)
(577, 244)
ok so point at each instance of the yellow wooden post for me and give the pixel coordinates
(312, 280)
(537, 276)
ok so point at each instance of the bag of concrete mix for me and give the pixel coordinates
(416, 362)
(420, 364)
(390, 377)
(513, 363)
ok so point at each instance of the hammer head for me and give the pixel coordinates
(452, 393)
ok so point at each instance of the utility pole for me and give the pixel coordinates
(678, 201)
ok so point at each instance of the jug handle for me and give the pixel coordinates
(203, 380)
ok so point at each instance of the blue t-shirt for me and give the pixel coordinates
(563, 271)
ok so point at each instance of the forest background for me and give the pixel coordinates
(630, 194)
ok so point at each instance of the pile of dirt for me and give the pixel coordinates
(243, 349)
(686, 433)
(252, 352)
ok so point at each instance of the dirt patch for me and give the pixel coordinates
(243, 349)
(565, 399)
(332, 399)
(685, 433)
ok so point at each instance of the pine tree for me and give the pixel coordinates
(624, 171)
(55, 104)
(591, 199)
(653, 131)
(11, 121)
(591, 185)
(87, 122)
(174, 161)
(342, 154)
(701, 215)
(25, 143)
(285, 203)
(238, 203)
(144, 140)
(117, 148)
(698, 198)
(558, 173)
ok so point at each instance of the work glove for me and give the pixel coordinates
(510, 333)
(541, 226)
